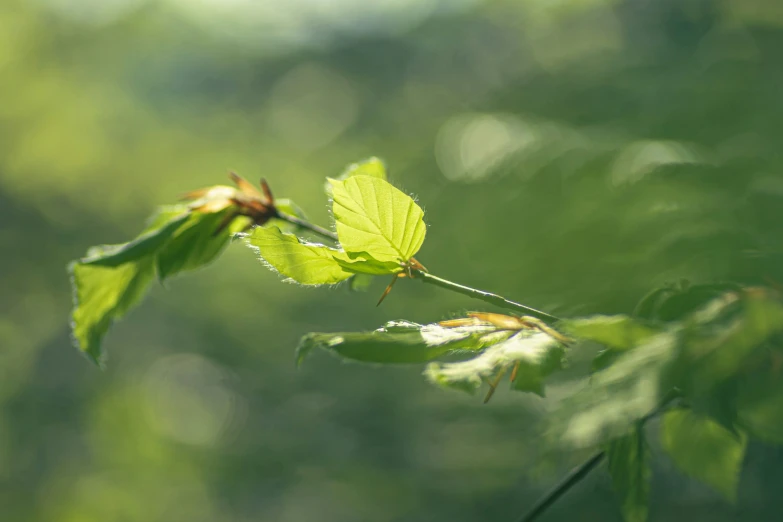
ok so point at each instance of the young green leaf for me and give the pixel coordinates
(703, 449)
(364, 263)
(305, 263)
(395, 343)
(195, 243)
(373, 216)
(162, 226)
(628, 459)
(110, 279)
(103, 294)
(537, 353)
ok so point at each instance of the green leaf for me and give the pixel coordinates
(537, 353)
(112, 278)
(397, 342)
(195, 243)
(619, 396)
(618, 332)
(162, 226)
(103, 294)
(703, 449)
(364, 263)
(628, 459)
(305, 263)
(373, 216)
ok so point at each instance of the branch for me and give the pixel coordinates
(560, 489)
(482, 295)
(582, 470)
(426, 277)
(301, 223)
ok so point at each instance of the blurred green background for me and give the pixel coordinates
(570, 154)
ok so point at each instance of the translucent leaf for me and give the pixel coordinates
(537, 353)
(703, 449)
(396, 342)
(363, 263)
(195, 243)
(305, 263)
(103, 294)
(628, 459)
(373, 216)
(162, 226)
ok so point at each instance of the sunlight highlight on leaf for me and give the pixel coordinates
(373, 216)
(304, 263)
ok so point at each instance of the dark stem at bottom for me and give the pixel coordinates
(560, 489)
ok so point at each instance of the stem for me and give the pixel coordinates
(570, 480)
(582, 470)
(315, 229)
(426, 277)
(481, 295)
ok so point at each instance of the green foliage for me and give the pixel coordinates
(628, 459)
(111, 279)
(305, 263)
(709, 349)
(103, 294)
(373, 216)
(704, 449)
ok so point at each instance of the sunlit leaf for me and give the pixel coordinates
(103, 294)
(703, 449)
(396, 342)
(161, 228)
(195, 243)
(537, 353)
(373, 216)
(363, 263)
(305, 263)
(628, 459)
